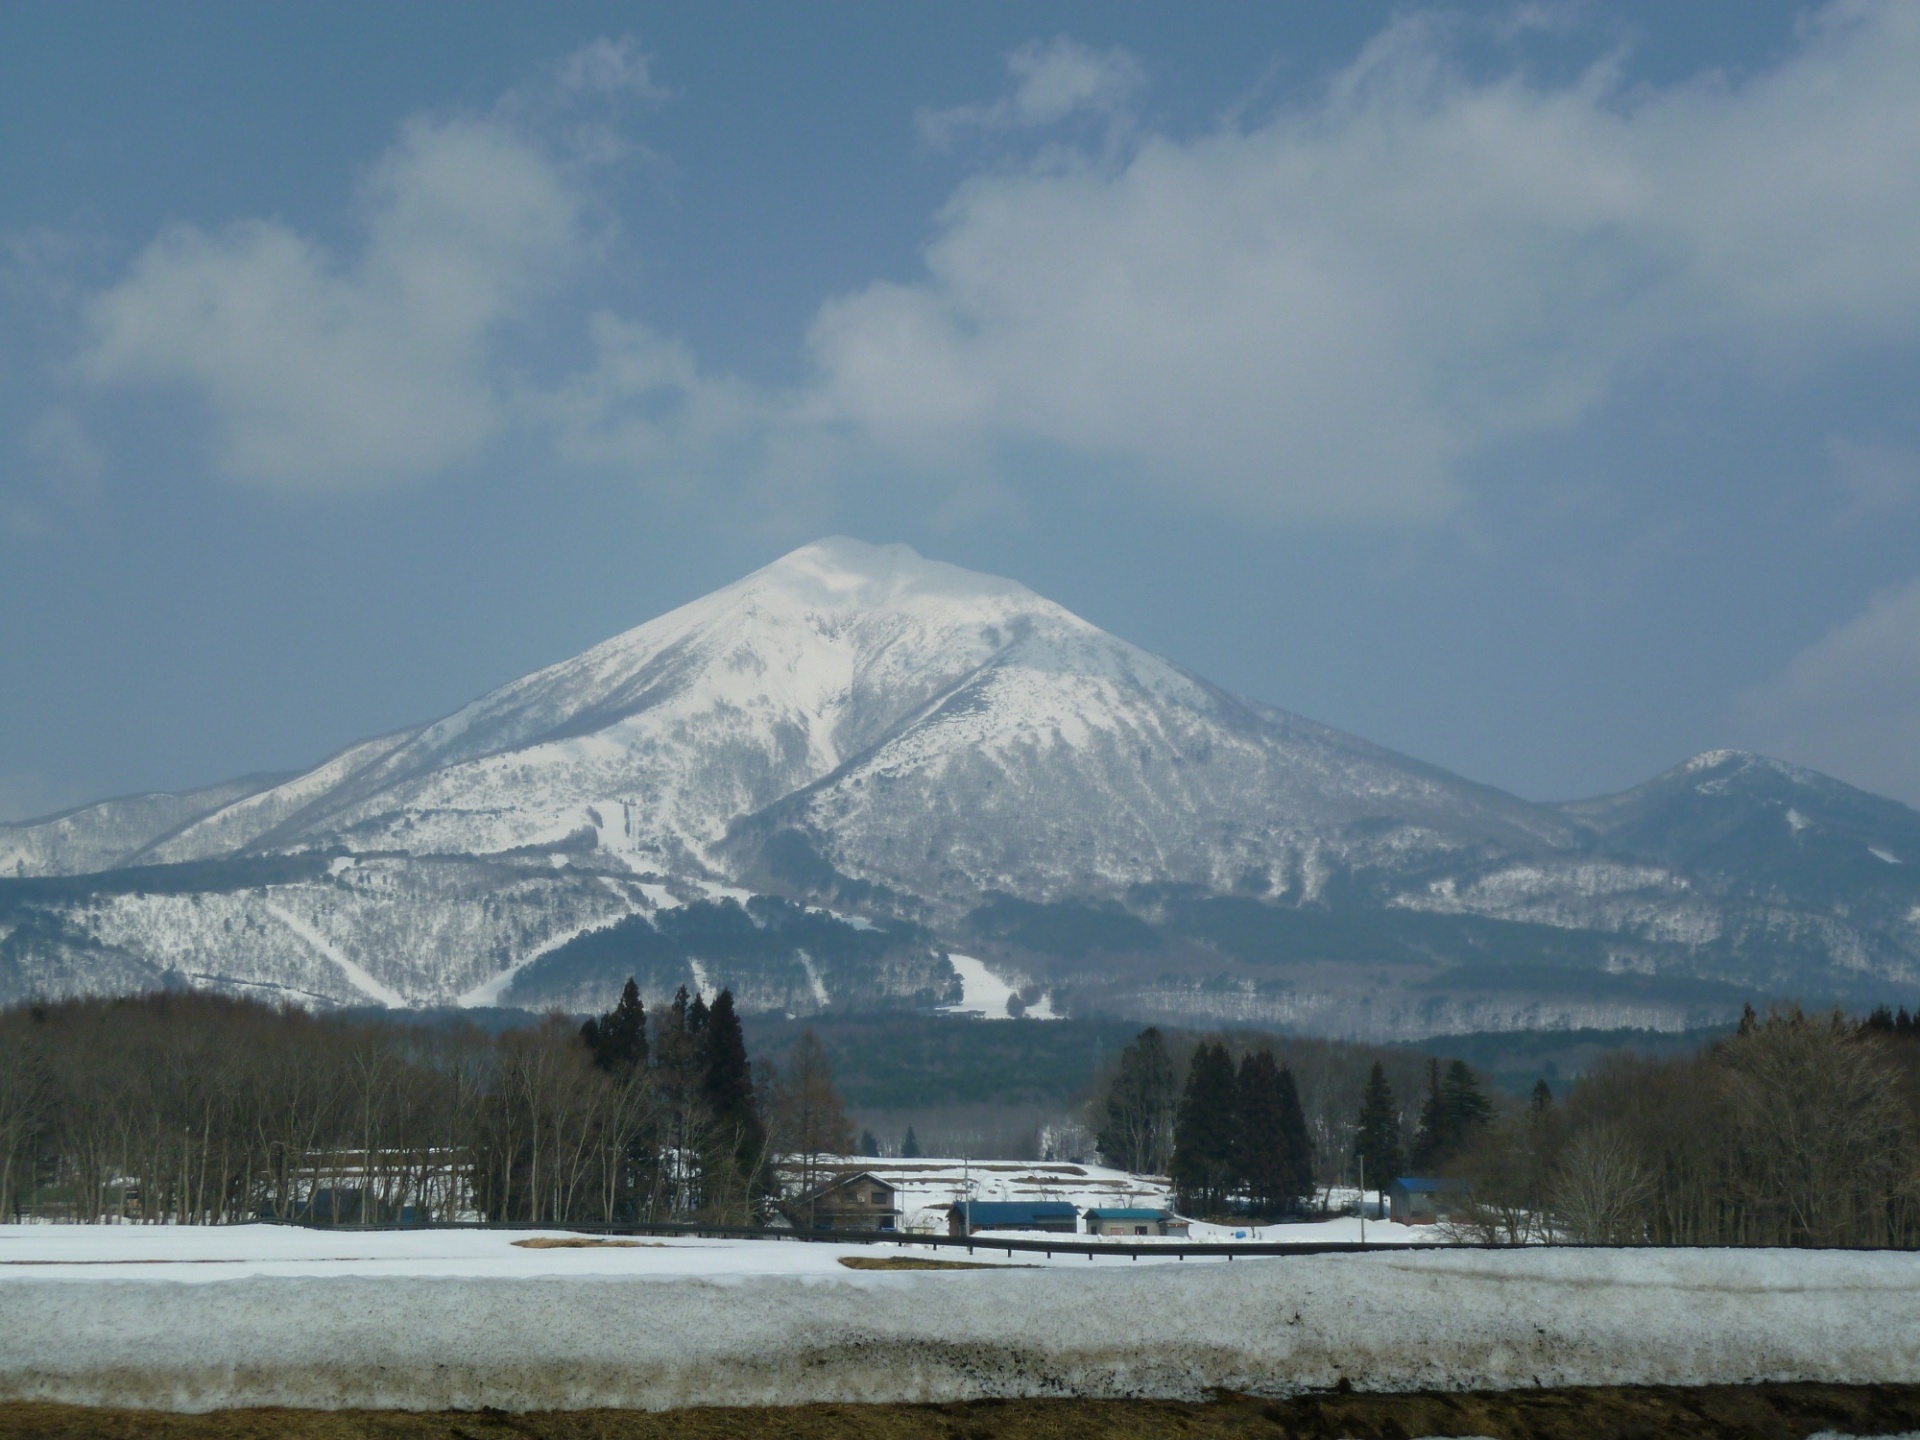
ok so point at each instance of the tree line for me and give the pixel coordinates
(1261, 1134)
(193, 1108)
(1798, 1129)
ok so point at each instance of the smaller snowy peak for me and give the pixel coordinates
(1719, 777)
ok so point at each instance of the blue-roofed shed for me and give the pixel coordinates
(1425, 1199)
(966, 1217)
(1134, 1222)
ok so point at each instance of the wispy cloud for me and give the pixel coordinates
(1850, 702)
(1325, 314)
(1053, 80)
(608, 68)
(323, 372)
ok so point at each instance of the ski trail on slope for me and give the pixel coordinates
(488, 992)
(813, 979)
(356, 974)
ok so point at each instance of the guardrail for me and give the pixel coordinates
(1040, 1244)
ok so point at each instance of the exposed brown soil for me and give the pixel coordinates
(919, 1262)
(575, 1242)
(1722, 1412)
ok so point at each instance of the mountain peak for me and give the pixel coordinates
(841, 573)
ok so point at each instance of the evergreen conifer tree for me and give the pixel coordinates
(1542, 1100)
(618, 1040)
(1260, 1140)
(869, 1144)
(727, 1088)
(1203, 1133)
(910, 1147)
(1454, 1114)
(1468, 1109)
(1376, 1140)
(1272, 1151)
(1430, 1141)
(1296, 1144)
(1137, 1133)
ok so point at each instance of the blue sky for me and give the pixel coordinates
(1528, 387)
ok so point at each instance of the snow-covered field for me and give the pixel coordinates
(197, 1319)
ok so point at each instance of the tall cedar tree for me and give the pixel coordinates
(1137, 1134)
(728, 1090)
(910, 1147)
(1454, 1113)
(618, 1040)
(1203, 1133)
(1430, 1140)
(1273, 1153)
(1299, 1143)
(1376, 1141)
(1468, 1108)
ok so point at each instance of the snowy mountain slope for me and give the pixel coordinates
(108, 833)
(672, 730)
(864, 673)
(245, 822)
(859, 725)
(1766, 828)
(390, 930)
(1074, 764)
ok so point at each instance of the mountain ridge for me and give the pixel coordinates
(920, 737)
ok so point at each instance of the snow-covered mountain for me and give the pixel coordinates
(859, 727)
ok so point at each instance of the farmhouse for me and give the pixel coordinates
(1135, 1222)
(860, 1201)
(1419, 1200)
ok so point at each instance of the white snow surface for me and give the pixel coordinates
(194, 1319)
(985, 994)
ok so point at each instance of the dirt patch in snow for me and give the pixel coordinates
(1748, 1412)
(918, 1262)
(550, 1242)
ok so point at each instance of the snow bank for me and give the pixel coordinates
(465, 1320)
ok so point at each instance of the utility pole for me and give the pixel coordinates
(1363, 1199)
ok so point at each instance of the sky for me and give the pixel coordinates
(1529, 387)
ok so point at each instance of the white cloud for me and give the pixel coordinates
(644, 405)
(320, 373)
(1054, 80)
(1850, 702)
(1324, 314)
(607, 68)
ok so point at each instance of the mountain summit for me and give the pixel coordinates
(859, 725)
(849, 689)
